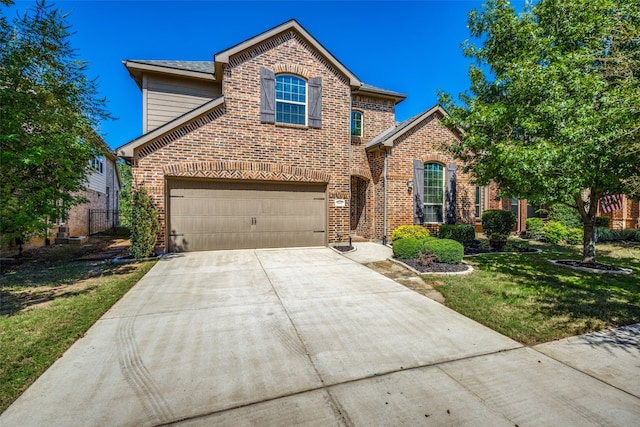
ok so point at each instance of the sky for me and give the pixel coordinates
(411, 47)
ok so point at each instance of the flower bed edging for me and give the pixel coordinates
(455, 273)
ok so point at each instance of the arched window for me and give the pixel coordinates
(291, 100)
(433, 192)
(356, 123)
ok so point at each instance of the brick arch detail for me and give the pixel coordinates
(288, 68)
(437, 158)
(361, 173)
(245, 171)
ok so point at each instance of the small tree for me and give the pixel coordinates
(126, 194)
(144, 219)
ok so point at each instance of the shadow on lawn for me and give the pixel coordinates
(575, 295)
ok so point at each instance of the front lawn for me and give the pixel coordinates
(532, 301)
(49, 301)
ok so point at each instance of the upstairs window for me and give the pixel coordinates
(97, 164)
(433, 192)
(356, 123)
(291, 100)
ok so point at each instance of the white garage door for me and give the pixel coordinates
(209, 215)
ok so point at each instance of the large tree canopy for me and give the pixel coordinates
(48, 110)
(552, 101)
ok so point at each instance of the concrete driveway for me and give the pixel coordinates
(306, 337)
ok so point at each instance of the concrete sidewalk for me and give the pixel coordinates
(309, 337)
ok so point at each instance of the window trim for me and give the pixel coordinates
(478, 202)
(97, 164)
(290, 102)
(353, 113)
(442, 204)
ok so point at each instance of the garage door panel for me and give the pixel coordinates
(206, 215)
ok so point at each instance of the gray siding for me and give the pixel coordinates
(167, 98)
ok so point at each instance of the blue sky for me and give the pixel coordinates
(419, 39)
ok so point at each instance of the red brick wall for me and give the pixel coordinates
(427, 142)
(238, 134)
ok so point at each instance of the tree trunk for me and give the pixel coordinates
(588, 210)
(588, 241)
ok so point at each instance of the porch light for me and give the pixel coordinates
(409, 184)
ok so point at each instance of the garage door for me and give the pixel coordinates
(209, 215)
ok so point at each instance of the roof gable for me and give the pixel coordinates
(224, 56)
(387, 137)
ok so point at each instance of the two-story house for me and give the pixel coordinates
(276, 143)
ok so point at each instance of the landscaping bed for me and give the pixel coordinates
(435, 267)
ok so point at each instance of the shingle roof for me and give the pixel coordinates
(196, 66)
(369, 88)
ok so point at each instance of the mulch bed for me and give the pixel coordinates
(591, 265)
(435, 267)
(476, 249)
(343, 248)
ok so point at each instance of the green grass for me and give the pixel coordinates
(532, 301)
(47, 304)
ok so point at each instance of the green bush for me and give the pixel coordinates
(144, 223)
(602, 221)
(534, 228)
(408, 248)
(410, 232)
(565, 215)
(629, 235)
(574, 236)
(497, 221)
(554, 232)
(463, 233)
(445, 250)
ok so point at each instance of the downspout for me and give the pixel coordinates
(384, 182)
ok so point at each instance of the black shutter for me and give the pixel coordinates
(418, 192)
(450, 184)
(267, 96)
(315, 102)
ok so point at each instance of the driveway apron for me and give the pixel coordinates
(302, 337)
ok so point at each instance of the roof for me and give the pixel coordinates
(197, 66)
(194, 69)
(369, 89)
(127, 149)
(387, 137)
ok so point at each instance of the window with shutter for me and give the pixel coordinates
(291, 100)
(433, 192)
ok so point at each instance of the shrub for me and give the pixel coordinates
(554, 232)
(410, 232)
(565, 215)
(445, 250)
(463, 233)
(602, 221)
(497, 221)
(144, 222)
(534, 228)
(498, 241)
(574, 236)
(629, 235)
(408, 248)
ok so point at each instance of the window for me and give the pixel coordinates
(514, 206)
(433, 192)
(478, 199)
(291, 100)
(97, 164)
(356, 123)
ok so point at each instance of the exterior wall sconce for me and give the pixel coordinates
(410, 185)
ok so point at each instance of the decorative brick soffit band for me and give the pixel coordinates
(245, 170)
(180, 132)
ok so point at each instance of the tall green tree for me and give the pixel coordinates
(48, 109)
(546, 113)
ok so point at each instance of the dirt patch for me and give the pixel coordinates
(406, 278)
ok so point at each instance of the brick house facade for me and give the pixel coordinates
(226, 168)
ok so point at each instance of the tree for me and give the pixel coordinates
(126, 195)
(144, 220)
(546, 115)
(49, 109)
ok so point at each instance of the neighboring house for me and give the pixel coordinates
(103, 200)
(275, 143)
